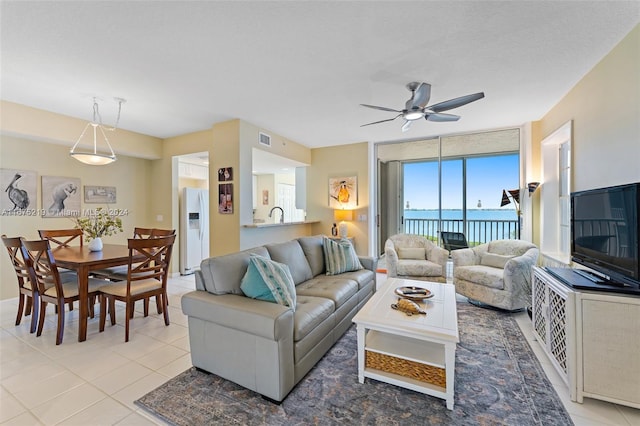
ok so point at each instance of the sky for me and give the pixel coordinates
(486, 178)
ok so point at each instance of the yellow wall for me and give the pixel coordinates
(337, 161)
(605, 109)
(130, 176)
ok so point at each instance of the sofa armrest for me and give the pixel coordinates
(370, 263)
(517, 273)
(440, 256)
(257, 317)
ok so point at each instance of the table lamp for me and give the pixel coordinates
(342, 216)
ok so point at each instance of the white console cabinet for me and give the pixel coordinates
(592, 339)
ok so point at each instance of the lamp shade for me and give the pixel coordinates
(343, 215)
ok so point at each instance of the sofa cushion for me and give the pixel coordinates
(290, 253)
(495, 260)
(417, 253)
(336, 288)
(222, 274)
(418, 268)
(340, 256)
(312, 248)
(362, 276)
(487, 276)
(274, 276)
(310, 313)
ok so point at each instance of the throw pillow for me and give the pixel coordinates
(339, 256)
(268, 280)
(417, 253)
(495, 260)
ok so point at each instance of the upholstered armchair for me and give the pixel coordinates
(497, 273)
(415, 257)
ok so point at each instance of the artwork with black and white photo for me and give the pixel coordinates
(18, 190)
(60, 196)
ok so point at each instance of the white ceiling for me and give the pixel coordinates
(301, 69)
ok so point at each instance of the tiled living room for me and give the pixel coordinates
(560, 75)
(97, 381)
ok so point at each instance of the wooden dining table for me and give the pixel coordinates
(83, 261)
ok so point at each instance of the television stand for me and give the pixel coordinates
(589, 276)
(591, 337)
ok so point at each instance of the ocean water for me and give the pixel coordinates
(482, 224)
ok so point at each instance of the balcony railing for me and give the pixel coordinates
(476, 231)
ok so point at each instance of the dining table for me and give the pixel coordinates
(83, 261)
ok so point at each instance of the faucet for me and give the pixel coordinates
(281, 216)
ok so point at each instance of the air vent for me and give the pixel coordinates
(264, 139)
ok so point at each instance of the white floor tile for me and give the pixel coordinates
(10, 407)
(105, 412)
(138, 389)
(121, 377)
(176, 367)
(161, 357)
(68, 404)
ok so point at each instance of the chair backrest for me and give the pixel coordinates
(157, 256)
(19, 259)
(56, 236)
(157, 232)
(43, 269)
(152, 232)
(453, 240)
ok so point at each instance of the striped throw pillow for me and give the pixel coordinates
(266, 276)
(339, 256)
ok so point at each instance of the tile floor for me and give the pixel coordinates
(96, 382)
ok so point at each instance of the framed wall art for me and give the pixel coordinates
(225, 198)
(18, 190)
(99, 194)
(60, 196)
(225, 174)
(343, 192)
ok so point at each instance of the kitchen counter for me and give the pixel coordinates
(270, 225)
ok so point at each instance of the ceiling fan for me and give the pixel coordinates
(416, 107)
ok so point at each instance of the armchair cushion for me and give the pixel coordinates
(340, 257)
(487, 276)
(417, 253)
(269, 280)
(495, 260)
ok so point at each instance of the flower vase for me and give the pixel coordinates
(95, 244)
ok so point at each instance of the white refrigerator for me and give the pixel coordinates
(194, 229)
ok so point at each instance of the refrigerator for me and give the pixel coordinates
(194, 228)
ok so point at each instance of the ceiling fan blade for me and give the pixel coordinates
(422, 95)
(407, 125)
(455, 103)
(382, 121)
(380, 108)
(441, 117)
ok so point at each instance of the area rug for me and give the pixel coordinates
(498, 381)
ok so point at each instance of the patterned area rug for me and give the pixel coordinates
(498, 381)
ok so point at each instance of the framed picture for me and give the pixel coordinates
(225, 198)
(265, 197)
(60, 196)
(99, 194)
(225, 174)
(18, 190)
(343, 192)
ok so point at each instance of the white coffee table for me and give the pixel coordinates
(417, 352)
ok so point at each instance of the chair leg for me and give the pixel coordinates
(43, 312)
(163, 297)
(103, 311)
(112, 310)
(20, 308)
(92, 302)
(35, 307)
(71, 306)
(159, 304)
(146, 306)
(60, 331)
(127, 319)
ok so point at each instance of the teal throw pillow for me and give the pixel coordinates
(269, 280)
(339, 256)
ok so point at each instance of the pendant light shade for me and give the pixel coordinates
(95, 157)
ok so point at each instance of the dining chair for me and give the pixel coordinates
(119, 273)
(44, 273)
(146, 278)
(26, 290)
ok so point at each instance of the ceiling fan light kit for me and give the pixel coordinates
(416, 107)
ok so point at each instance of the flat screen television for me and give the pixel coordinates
(604, 232)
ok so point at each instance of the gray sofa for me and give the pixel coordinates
(264, 346)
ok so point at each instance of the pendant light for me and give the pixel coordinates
(95, 158)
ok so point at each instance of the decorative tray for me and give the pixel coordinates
(413, 293)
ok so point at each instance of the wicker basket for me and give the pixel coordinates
(402, 367)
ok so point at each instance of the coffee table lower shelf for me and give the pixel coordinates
(403, 361)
